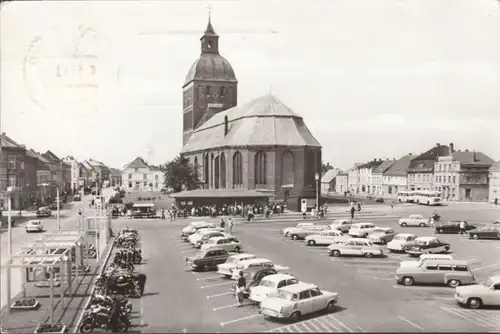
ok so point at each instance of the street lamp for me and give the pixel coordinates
(9, 220)
(57, 199)
(316, 177)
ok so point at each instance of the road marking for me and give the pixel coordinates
(479, 317)
(340, 323)
(220, 294)
(361, 329)
(223, 307)
(142, 312)
(187, 251)
(213, 285)
(240, 319)
(326, 325)
(207, 278)
(411, 323)
(486, 267)
(369, 266)
(305, 326)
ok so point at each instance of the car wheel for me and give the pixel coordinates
(382, 241)
(295, 237)
(404, 225)
(237, 249)
(475, 236)
(408, 281)
(311, 243)
(474, 303)
(453, 283)
(295, 316)
(336, 253)
(422, 225)
(368, 255)
(447, 249)
(330, 307)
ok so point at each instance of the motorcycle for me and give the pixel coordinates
(131, 287)
(106, 301)
(102, 320)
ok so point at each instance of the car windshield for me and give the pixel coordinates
(267, 283)
(378, 232)
(488, 283)
(400, 237)
(421, 241)
(212, 241)
(282, 294)
(231, 260)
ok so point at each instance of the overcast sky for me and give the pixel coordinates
(372, 78)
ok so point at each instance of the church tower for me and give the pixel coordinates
(210, 86)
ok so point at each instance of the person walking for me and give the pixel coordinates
(230, 226)
(162, 214)
(352, 211)
(463, 228)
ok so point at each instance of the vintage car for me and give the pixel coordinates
(355, 247)
(452, 227)
(492, 232)
(436, 272)
(53, 205)
(414, 220)
(302, 233)
(43, 211)
(253, 264)
(425, 257)
(77, 197)
(381, 235)
(34, 226)
(232, 262)
(142, 210)
(269, 286)
(254, 275)
(325, 238)
(361, 230)
(427, 245)
(211, 234)
(195, 226)
(296, 300)
(205, 260)
(479, 295)
(400, 241)
(286, 230)
(229, 244)
(342, 225)
(198, 235)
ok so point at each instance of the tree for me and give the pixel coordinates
(180, 174)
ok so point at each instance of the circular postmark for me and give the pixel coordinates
(72, 72)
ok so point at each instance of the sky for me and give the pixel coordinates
(371, 78)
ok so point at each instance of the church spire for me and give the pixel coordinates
(210, 39)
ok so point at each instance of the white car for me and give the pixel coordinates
(286, 230)
(361, 230)
(195, 226)
(269, 286)
(425, 257)
(229, 244)
(294, 301)
(302, 233)
(34, 226)
(478, 295)
(343, 225)
(400, 240)
(253, 263)
(325, 238)
(195, 237)
(355, 247)
(232, 262)
(414, 220)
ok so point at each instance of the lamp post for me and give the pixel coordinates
(9, 220)
(316, 177)
(57, 200)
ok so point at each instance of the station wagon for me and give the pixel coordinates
(207, 259)
(325, 238)
(229, 244)
(437, 272)
(232, 262)
(269, 286)
(382, 235)
(361, 229)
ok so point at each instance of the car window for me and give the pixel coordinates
(234, 240)
(212, 253)
(351, 243)
(305, 294)
(430, 267)
(281, 284)
(360, 243)
(315, 292)
(390, 232)
(496, 287)
(460, 268)
(254, 265)
(292, 281)
(446, 267)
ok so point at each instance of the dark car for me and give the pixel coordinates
(453, 227)
(77, 198)
(486, 233)
(86, 190)
(207, 259)
(53, 205)
(428, 245)
(43, 212)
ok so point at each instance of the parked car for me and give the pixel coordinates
(200, 233)
(34, 226)
(437, 272)
(231, 263)
(53, 205)
(43, 211)
(207, 259)
(355, 247)
(414, 220)
(326, 237)
(207, 236)
(270, 285)
(254, 276)
(302, 233)
(229, 244)
(400, 241)
(492, 232)
(296, 300)
(428, 245)
(77, 197)
(286, 230)
(343, 225)
(253, 264)
(195, 226)
(381, 235)
(479, 295)
(361, 230)
(453, 227)
(425, 257)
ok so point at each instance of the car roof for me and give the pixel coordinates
(358, 239)
(361, 224)
(447, 261)
(299, 287)
(198, 223)
(406, 234)
(241, 255)
(214, 249)
(34, 221)
(255, 260)
(383, 228)
(426, 238)
(278, 277)
(217, 239)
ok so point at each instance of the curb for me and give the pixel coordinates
(101, 271)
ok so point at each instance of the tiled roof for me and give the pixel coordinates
(137, 163)
(329, 175)
(39, 156)
(399, 168)
(115, 172)
(383, 166)
(219, 193)
(370, 164)
(96, 163)
(424, 163)
(472, 158)
(262, 122)
(6, 141)
(83, 166)
(495, 167)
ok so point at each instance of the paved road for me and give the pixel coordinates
(177, 300)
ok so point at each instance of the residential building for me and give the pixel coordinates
(92, 173)
(116, 177)
(84, 179)
(463, 176)
(99, 172)
(353, 179)
(342, 182)
(328, 180)
(75, 172)
(395, 177)
(377, 179)
(494, 191)
(366, 186)
(421, 168)
(139, 176)
(60, 171)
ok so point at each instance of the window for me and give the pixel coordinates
(445, 267)
(287, 168)
(281, 284)
(454, 179)
(156, 185)
(237, 170)
(137, 183)
(130, 176)
(12, 181)
(12, 162)
(22, 164)
(130, 184)
(156, 177)
(144, 176)
(315, 292)
(431, 267)
(449, 179)
(145, 183)
(260, 165)
(305, 294)
(496, 287)
(460, 268)
(136, 170)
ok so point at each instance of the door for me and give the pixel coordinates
(493, 297)
(318, 300)
(221, 257)
(430, 274)
(360, 245)
(349, 248)
(443, 271)
(305, 302)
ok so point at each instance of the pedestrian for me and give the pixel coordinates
(496, 201)
(241, 286)
(222, 223)
(163, 214)
(462, 227)
(359, 206)
(230, 225)
(352, 212)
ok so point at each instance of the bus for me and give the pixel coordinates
(405, 196)
(427, 197)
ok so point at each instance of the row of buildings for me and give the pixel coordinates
(459, 175)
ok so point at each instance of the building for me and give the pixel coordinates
(365, 177)
(463, 175)
(60, 171)
(116, 177)
(342, 182)
(421, 168)
(494, 191)
(77, 180)
(395, 177)
(328, 180)
(377, 179)
(353, 179)
(99, 172)
(261, 146)
(139, 176)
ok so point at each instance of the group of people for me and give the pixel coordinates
(316, 213)
(229, 227)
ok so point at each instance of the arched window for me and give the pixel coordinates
(260, 167)
(205, 169)
(237, 170)
(287, 168)
(222, 170)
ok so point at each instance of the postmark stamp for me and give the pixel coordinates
(70, 71)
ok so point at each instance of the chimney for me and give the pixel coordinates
(474, 157)
(438, 144)
(226, 125)
(452, 148)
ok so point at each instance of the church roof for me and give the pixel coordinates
(210, 31)
(265, 121)
(211, 66)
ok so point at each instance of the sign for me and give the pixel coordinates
(215, 105)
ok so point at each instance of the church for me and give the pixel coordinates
(261, 146)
